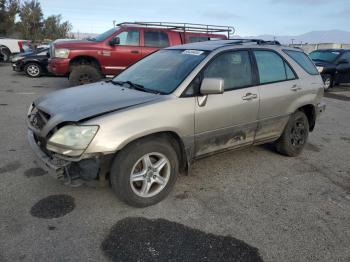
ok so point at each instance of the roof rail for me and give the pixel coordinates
(257, 41)
(186, 27)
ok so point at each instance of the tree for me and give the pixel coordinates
(8, 12)
(54, 29)
(31, 20)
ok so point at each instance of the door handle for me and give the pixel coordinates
(134, 52)
(295, 88)
(249, 96)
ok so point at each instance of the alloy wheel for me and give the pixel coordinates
(298, 133)
(150, 175)
(33, 70)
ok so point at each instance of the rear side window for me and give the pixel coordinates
(272, 68)
(156, 39)
(303, 60)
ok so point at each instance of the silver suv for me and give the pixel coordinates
(179, 104)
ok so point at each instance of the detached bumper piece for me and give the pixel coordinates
(321, 107)
(70, 173)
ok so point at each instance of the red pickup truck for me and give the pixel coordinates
(109, 53)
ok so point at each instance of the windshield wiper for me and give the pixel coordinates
(136, 86)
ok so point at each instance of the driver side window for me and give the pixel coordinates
(129, 38)
(233, 67)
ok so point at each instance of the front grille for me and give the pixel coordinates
(38, 118)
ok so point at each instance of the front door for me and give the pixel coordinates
(227, 120)
(343, 68)
(127, 52)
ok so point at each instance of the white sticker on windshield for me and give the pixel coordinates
(192, 52)
(336, 53)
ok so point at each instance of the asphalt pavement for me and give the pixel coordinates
(246, 205)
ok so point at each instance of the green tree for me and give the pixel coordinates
(31, 20)
(8, 11)
(53, 28)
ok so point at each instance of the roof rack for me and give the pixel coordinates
(186, 27)
(257, 41)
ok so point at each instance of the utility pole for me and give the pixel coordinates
(114, 23)
(292, 41)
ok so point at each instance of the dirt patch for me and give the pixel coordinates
(4, 104)
(38, 86)
(141, 239)
(10, 167)
(34, 172)
(347, 139)
(182, 196)
(53, 206)
(312, 147)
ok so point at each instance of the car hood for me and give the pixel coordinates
(87, 101)
(72, 44)
(323, 63)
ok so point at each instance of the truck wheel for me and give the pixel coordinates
(328, 82)
(294, 136)
(33, 70)
(144, 172)
(6, 54)
(84, 74)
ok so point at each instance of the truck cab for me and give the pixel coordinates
(108, 54)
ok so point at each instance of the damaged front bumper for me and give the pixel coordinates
(70, 172)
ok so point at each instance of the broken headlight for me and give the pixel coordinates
(71, 140)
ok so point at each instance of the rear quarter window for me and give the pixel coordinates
(303, 60)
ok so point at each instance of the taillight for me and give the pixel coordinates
(20, 45)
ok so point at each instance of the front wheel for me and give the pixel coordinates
(144, 172)
(294, 136)
(33, 70)
(84, 74)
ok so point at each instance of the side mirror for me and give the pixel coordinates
(343, 61)
(115, 41)
(211, 86)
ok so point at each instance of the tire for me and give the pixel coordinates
(84, 74)
(131, 161)
(6, 54)
(294, 137)
(328, 82)
(33, 70)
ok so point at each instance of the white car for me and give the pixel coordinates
(9, 47)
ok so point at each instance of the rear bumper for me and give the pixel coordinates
(58, 66)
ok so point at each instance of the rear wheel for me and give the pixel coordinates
(294, 136)
(84, 74)
(6, 54)
(33, 70)
(144, 172)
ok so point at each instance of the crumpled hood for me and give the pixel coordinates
(81, 102)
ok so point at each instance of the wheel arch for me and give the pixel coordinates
(84, 60)
(175, 140)
(310, 112)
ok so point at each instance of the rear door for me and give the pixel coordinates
(279, 87)
(117, 57)
(227, 120)
(343, 69)
(153, 40)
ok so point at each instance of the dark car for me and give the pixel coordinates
(34, 64)
(333, 65)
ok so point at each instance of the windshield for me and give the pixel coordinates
(162, 71)
(104, 35)
(327, 56)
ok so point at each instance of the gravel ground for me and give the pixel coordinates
(247, 205)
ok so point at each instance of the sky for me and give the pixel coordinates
(249, 17)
